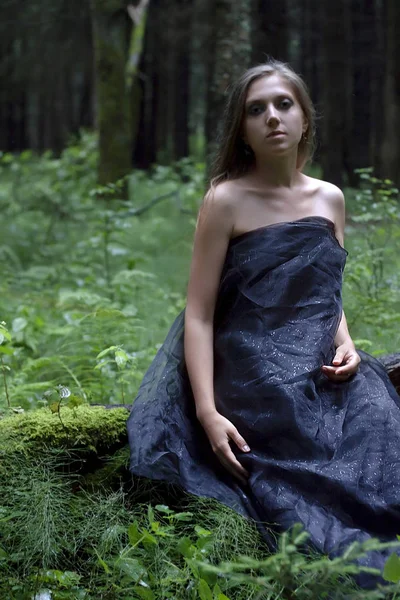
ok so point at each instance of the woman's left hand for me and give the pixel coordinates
(345, 363)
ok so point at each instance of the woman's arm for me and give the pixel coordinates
(213, 231)
(346, 360)
(343, 335)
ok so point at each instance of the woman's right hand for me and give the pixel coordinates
(219, 431)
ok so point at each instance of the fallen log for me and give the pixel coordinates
(391, 362)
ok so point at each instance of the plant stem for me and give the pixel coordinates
(5, 382)
(106, 238)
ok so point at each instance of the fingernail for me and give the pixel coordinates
(246, 448)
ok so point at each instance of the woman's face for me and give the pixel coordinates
(272, 107)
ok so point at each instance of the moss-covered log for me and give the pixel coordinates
(89, 429)
(391, 362)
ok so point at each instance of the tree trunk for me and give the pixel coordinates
(335, 85)
(310, 54)
(147, 91)
(269, 30)
(391, 107)
(167, 80)
(180, 133)
(111, 30)
(231, 55)
(360, 121)
(378, 66)
(201, 45)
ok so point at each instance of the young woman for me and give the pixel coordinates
(258, 397)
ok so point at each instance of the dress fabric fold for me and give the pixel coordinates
(325, 454)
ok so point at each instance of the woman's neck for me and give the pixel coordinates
(276, 172)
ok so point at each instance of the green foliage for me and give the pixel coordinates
(372, 282)
(90, 285)
(83, 273)
(391, 572)
(63, 537)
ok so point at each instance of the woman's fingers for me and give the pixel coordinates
(339, 357)
(349, 368)
(229, 460)
(334, 374)
(239, 441)
(345, 364)
(220, 432)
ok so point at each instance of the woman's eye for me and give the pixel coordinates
(255, 109)
(286, 103)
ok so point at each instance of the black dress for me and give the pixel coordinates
(325, 454)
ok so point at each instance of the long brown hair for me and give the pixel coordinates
(232, 159)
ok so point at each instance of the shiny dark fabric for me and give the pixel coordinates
(323, 454)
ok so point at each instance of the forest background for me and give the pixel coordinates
(109, 113)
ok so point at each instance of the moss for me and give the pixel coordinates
(89, 428)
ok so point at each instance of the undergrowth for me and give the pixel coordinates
(90, 285)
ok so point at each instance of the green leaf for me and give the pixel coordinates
(183, 516)
(201, 532)
(102, 563)
(102, 364)
(19, 324)
(106, 351)
(391, 571)
(121, 358)
(75, 401)
(163, 508)
(144, 593)
(6, 349)
(134, 533)
(204, 590)
(131, 567)
(185, 547)
(4, 334)
(149, 540)
(216, 589)
(55, 407)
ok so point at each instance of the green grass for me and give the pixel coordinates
(88, 292)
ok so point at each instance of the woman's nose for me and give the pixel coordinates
(272, 116)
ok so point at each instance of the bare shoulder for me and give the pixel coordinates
(218, 207)
(329, 199)
(332, 193)
(328, 190)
